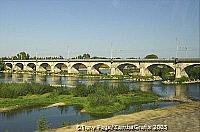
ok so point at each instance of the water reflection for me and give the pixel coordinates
(26, 120)
(181, 91)
(140, 107)
(170, 90)
(145, 86)
(58, 115)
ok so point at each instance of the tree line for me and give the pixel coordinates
(26, 56)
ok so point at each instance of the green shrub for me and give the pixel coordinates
(80, 91)
(182, 79)
(13, 90)
(101, 97)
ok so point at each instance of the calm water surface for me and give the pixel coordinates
(26, 120)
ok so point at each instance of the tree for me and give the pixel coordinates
(23, 56)
(61, 57)
(80, 57)
(14, 58)
(193, 72)
(151, 56)
(86, 56)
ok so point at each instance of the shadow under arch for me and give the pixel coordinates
(128, 69)
(32, 66)
(18, 66)
(164, 71)
(62, 67)
(193, 71)
(80, 67)
(102, 68)
(8, 66)
(45, 66)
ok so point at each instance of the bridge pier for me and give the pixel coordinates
(145, 72)
(72, 70)
(115, 71)
(92, 71)
(52, 69)
(89, 70)
(179, 72)
(37, 67)
(26, 68)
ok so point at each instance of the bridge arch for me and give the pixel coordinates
(162, 64)
(8, 66)
(192, 71)
(127, 68)
(79, 68)
(100, 68)
(59, 67)
(19, 67)
(31, 66)
(44, 67)
(164, 71)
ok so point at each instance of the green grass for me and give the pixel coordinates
(31, 101)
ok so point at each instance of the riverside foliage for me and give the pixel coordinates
(101, 94)
(14, 90)
(99, 98)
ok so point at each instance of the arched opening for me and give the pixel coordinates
(101, 68)
(193, 71)
(19, 67)
(61, 67)
(45, 67)
(81, 68)
(8, 66)
(31, 66)
(163, 71)
(128, 69)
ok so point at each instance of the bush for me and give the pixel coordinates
(83, 91)
(100, 97)
(182, 79)
(62, 91)
(13, 90)
(101, 94)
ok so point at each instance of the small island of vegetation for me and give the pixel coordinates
(99, 99)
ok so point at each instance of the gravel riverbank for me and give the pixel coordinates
(183, 118)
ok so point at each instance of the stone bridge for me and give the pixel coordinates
(93, 66)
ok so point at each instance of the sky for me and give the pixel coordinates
(123, 28)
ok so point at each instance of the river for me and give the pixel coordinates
(26, 120)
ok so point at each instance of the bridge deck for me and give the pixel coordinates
(184, 60)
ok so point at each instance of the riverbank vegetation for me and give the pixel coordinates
(14, 90)
(98, 99)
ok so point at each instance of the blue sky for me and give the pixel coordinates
(134, 27)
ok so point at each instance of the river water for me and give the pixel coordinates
(26, 120)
